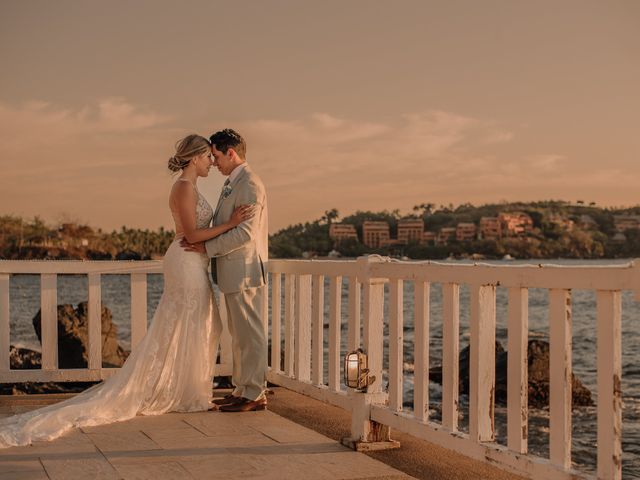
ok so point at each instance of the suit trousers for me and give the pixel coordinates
(248, 341)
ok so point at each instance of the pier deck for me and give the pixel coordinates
(203, 445)
(297, 438)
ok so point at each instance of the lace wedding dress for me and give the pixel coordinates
(170, 370)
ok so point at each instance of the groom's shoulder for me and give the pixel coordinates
(254, 178)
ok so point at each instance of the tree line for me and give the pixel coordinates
(34, 239)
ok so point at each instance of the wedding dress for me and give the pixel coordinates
(170, 370)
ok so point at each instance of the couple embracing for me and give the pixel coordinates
(172, 367)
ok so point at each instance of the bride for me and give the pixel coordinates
(172, 367)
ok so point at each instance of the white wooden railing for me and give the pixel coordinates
(297, 314)
(303, 364)
(48, 271)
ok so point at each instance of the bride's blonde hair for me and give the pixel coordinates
(187, 148)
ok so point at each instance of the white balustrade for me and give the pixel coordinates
(95, 271)
(383, 403)
(303, 309)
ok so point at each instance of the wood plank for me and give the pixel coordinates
(80, 267)
(450, 354)
(373, 329)
(317, 331)
(517, 370)
(353, 331)
(530, 276)
(328, 268)
(396, 336)
(264, 310)
(5, 322)
(95, 322)
(289, 310)
(609, 406)
(276, 314)
(49, 324)
(482, 363)
(226, 350)
(319, 392)
(421, 295)
(335, 317)
(138, 308)
(622, 277)
(527, 466)
(302, 343)
(560, 378)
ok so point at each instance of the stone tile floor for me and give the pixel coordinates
(203, 445)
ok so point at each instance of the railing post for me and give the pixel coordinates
(365, 433)
(138, 308)
(317, 330)
(335, 317)
(353, 331)
(302, 344)
(482, 363)
(450, 354)
(5, 335)
(609, 389)
(289, 305)
(560, 377)
(95, 322)
(226, 350)
(49, 320)
(421, 346)
(518, 370)
(276, 313)
(396, 336)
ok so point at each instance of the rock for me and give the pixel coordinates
(73, 337)
(30, 388)
(538, 358)
(24, 358)
(538, 368)
(128, 255)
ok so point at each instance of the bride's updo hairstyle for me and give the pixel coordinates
(187, 148)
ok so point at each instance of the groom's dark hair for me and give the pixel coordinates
(229, 138)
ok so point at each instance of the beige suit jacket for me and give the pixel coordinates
(239, 256)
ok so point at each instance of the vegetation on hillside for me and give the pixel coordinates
(550, 237)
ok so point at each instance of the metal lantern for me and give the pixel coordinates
(356, 371)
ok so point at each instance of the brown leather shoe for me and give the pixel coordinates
(226, 400)
(245, 405)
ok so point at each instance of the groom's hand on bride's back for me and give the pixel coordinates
(193, 247)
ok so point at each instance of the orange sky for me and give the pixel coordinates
(348, 105)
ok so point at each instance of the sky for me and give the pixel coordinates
(350, 104)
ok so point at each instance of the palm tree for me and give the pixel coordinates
(330, 215)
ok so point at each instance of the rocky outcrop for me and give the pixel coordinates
(26, 359)
(538, 368)
(73, 337)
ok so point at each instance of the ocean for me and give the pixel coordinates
(25, 302)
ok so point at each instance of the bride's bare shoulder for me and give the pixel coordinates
(181, 191)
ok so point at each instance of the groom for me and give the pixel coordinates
(238, 267)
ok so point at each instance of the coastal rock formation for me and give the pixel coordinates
(26, 359)
(73, 337)
(538, 361)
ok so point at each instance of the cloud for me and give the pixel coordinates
(106, 162)
(41, 124)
